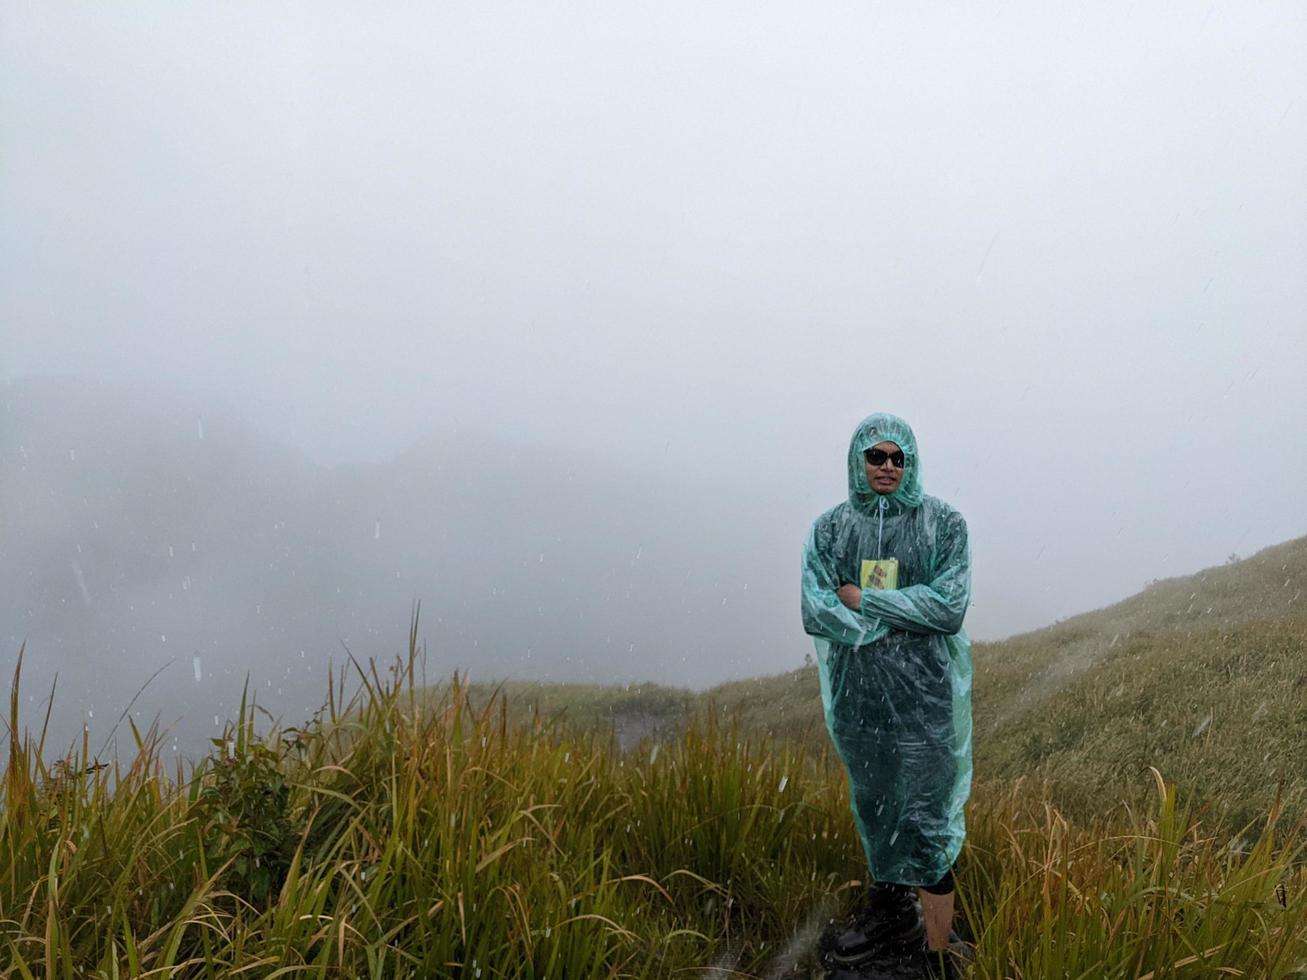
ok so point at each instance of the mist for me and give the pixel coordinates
(557, 320)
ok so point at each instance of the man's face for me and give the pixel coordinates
(884, 476)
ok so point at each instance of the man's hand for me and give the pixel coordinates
(850, 595)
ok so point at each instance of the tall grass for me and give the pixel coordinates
(400, 836)
(1150, 896)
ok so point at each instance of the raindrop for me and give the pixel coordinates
(195, 663)
(1202, 726)
(199, 428)
(784, 782)
(81, 581)
(376, 531)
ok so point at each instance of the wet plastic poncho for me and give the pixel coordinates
(896, 675)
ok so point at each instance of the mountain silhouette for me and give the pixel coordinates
(144, 526)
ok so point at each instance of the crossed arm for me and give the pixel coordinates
(825, 614)
(844, 613)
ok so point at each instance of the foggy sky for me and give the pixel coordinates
(1067, 243)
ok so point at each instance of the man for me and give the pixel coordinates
(886, 583)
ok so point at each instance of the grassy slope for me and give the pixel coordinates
(1222, 713)
(412, 838)
(782, 705)
(1204, 677)
(405, 839)
(1020, 673)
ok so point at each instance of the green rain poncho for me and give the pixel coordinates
(896, 675)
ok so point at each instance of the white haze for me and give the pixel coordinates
(691, 244)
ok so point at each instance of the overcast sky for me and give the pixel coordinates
(1067, 243)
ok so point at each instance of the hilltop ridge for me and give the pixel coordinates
(1021, 671)
(1202, 676)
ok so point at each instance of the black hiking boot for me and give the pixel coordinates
(891, 919)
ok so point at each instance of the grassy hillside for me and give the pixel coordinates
(585, 832)
(1203, 677)
(406, 837)
(1223, 712)
(783, 706)
(1021, 673)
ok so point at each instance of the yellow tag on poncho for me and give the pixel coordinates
(880, 573)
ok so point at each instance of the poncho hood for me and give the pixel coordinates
(883, 427)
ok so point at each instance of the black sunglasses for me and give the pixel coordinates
(877, 457)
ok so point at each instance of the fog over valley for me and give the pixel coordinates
(160, 532)
(558, 320)
(164, 531)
